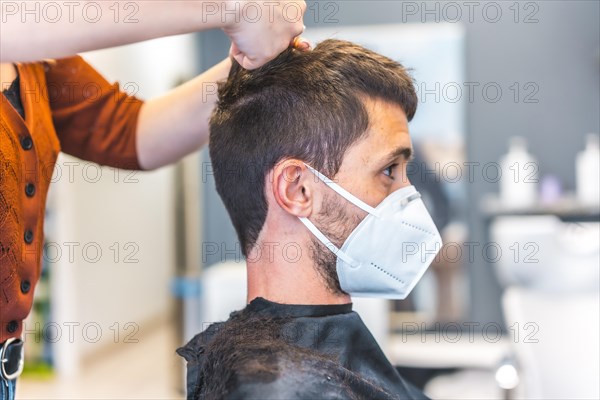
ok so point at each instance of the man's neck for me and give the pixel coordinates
(282, 281)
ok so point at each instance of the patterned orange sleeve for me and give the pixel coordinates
(94, 120)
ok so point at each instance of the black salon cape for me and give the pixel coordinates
(277, 351)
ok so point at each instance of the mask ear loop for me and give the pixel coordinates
(326, 242)
(344, 193)
(348, 196)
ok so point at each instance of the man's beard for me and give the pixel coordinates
(336, 224)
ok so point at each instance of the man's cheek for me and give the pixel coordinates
(354, 220)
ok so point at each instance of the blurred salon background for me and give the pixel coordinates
(507, 159)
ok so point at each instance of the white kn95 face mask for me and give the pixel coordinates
(390, 250)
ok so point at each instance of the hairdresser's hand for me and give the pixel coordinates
(263, 29)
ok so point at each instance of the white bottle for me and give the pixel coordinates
(588, 172)
(518, 183)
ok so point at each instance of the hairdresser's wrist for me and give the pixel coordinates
(230, 12)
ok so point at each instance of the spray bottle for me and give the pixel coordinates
(518, 183)
(588, 172)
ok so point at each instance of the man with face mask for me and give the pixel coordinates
(309, 154)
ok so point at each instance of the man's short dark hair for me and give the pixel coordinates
(307, 105)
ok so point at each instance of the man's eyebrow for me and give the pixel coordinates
(406, 152)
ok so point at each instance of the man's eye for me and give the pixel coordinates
(389, 171)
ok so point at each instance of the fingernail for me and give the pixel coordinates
(301, 44)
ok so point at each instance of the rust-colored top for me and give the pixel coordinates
(70, 107)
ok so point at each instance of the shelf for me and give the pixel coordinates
(566, 208)
(450, 350)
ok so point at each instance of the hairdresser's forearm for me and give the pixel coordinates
(32, 31)
(176, 124)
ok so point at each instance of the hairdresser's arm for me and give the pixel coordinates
(176, 124)
(32, 31)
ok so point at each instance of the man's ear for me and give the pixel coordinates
(292, 188)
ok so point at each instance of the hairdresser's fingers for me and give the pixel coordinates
(298, 43)
(301, 43)
(260, 40)
(238, 56)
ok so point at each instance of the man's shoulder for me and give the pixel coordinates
(194, 350)
(308, 376)
(249, 357)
